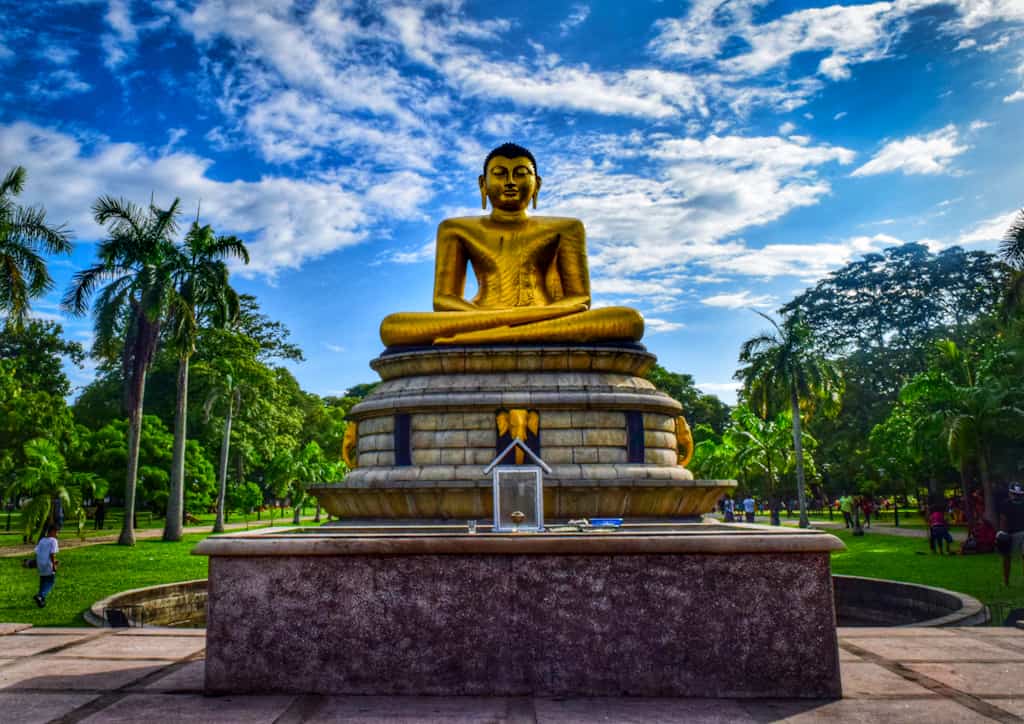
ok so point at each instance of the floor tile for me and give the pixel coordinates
(978, 679)
(51, 672)
(187, 678)
(33, 708)
(10, 628)
(191, 708)
(139, 647)
(1014, 706)
(21, 645)
(636, 711)
(864, 680)
(410, 709)
(860, 711)
(910, 632)
(936, 649)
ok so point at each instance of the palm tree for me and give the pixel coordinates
(783, 361)
(204, 297)
(970, 403)
(1011, 249)
(45, 479)
(138, 262)
(24, 233)
(230, 390)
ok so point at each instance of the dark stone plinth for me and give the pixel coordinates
(697, 624)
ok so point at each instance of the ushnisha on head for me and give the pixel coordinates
(509, 179)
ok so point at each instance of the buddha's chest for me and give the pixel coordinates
(507, 249)
(511, 267)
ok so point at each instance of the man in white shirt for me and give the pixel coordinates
(46, 563)
(748, 508)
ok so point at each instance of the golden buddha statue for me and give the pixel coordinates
(531, 272)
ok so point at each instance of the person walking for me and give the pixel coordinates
(729, 508)
(846, 508)
(749, 506)
(46, 563)
(1010, 538)
(938, 530)
(867, 507)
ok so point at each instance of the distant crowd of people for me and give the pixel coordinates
(941, 513)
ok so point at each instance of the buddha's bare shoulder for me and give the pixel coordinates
(461, 222)
(558, 222)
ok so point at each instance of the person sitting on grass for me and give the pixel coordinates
(46, 563)
(1010, 538)
(939, 530)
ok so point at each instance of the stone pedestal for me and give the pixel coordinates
(427, 432)
(704, 611)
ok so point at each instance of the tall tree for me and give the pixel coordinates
(1011, 249)
(784, 360)
(230, 391)
(973, 400)
(24, 237)
(205, 298)
(138, 262)
(698, 408)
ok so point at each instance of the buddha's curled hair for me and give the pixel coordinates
(510, 150)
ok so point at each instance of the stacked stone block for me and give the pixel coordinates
(450, 399)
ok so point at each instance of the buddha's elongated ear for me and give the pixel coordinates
(536, 192)
(483, 192)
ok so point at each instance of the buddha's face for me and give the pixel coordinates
(510, 183)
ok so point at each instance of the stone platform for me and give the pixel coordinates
(108, 676)
(428, 431)
(695, 611)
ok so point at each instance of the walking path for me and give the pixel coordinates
(103, 676)
(67, 541)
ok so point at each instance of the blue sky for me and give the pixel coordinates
(722, 155)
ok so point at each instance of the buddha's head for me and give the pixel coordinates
(509, 179)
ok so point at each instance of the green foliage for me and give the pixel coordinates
(698, 408)
(24, 238)
(43, 480)
(758, 453)
(245, 498)
(37, 351)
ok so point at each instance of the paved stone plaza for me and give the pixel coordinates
(889, 675)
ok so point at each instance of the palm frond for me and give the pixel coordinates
(1011, 248)
(14, 182)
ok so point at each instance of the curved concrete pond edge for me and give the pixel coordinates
(860, 599)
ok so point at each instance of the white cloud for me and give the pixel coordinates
(58, 54)
(979, 125)
(1014, 97)
(996, 45)
(286, 221)
(839, 116)
(56, 84)
(578, 14)
(721, 389)
(786, 128)
(653, 325)
(337, 348)
(966, 44)
(989, 230)
(740, 300)
(928, 154)
(808, 262)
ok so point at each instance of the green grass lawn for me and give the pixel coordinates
(146, 521)
(908, 559)
(91, 573)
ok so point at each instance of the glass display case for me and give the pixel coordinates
(518, 498)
